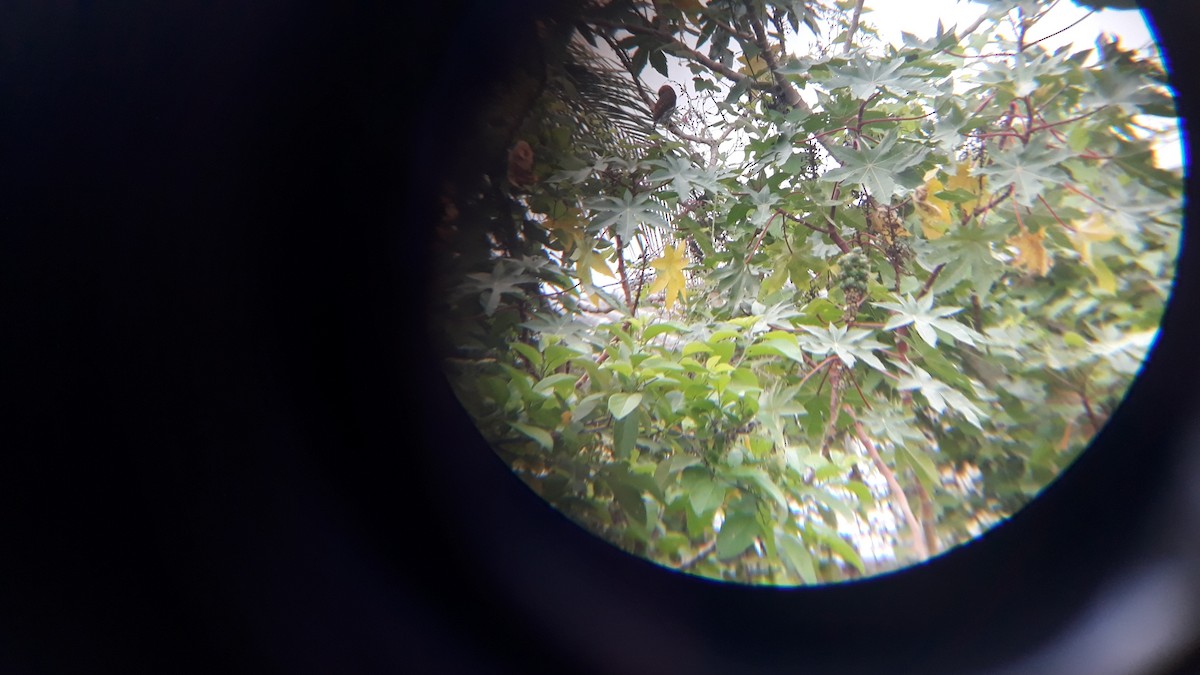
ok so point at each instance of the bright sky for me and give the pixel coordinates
(892, 17)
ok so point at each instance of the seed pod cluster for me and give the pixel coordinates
(855, 269)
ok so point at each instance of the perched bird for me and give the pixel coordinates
(665, 104)
(520, 165)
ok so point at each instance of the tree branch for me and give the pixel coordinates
(989, 206)
(927, 518)
(790, 96)
(858, 6)
(680, 46)
(703, 553)
(932, 278)
(914, 525)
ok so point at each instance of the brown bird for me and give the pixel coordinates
(520, 165)
(665, 104)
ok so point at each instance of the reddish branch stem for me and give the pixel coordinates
(932, 278)
(623, 275)
(758, 240)
(1052, 212)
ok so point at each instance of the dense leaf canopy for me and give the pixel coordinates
(850, 305)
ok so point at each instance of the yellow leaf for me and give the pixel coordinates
(963, 180)
(1031, 252)
(588, 261)
(567, 227)
(670, 273)
(933, 212)
(1093, 229)
(755, 67)
(1104, 277)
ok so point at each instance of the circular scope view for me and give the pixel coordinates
(794, 293)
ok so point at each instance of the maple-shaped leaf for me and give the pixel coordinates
(735, 281)
(567, 227)
(946, 130)
(925, 319)
(933, 212)
(1030, 169)
(768, 318)
(670, 273)
(938, 394)
(848, 344)
(764, 204)
(588, 261)
(1031, 251)
(684, 177)
(865, 77)
(896, 427)
(571, 331)
(1119, 87)
(775, 406)
(875, 167)
(1020, 78)
(966, 253)
(625, 213)
(505, 279)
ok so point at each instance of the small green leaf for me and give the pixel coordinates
(534, 357)
(922, 463)
(563, 383)
(542, 436)
(625, 433)
(797, 556)
(629, 499)
(586, 406)
(1073, 339)
(720, 335)
(657, 329)
(763, 481)
(839, 546)
(737, 534)
(621, 405)
(861, 491)
(704, 493)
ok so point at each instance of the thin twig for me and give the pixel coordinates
(759, 238)
(1052, 212)
(860, 391)
(812, 372)
(1088, 197)
(623, 275)
(1057, 32)
(990, 205)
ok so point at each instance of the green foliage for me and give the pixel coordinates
(785, 342)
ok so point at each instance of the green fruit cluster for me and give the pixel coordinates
(854, 273)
